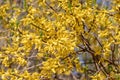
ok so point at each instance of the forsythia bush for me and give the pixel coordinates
(42, 36)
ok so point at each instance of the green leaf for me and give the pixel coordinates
(117, 77)
(93, 2)
(110, 68)
(41, 34)
(17, 23)
(69, 4)
(116, 48)
(24, 4)
(1, 17)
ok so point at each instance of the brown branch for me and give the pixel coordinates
(50, 7)
(33, 66)
(20, 31)
(113, 50)
(110, 62)
(98, 41)
(96, 59)
(86, 42)
(37, 27)
(32, 57)
(92, 53)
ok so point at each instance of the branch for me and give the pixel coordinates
(98, 41)
(33, 66)
(50, 7)
(37, 27)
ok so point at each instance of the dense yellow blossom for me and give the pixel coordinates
(43, 34)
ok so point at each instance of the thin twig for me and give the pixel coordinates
(98, 41)
(33, 66)
(50, 7)
(37, 26)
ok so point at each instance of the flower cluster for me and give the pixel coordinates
(42, 36)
